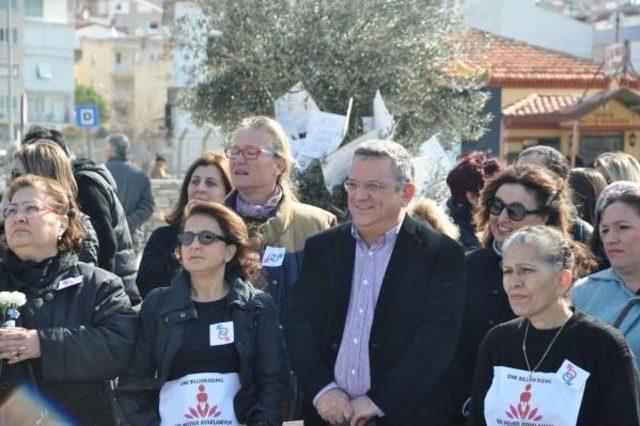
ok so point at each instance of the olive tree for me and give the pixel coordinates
(246, 53)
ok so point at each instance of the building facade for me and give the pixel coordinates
(132, 73)
(48, 62)
(545, 97)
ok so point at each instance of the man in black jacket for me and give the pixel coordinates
(97, 198)
(133, 185)
(376, 311)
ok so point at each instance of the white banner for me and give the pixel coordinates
(293, 110)
(199, 399)
(382, 119)
(324, 135)
(517, 397)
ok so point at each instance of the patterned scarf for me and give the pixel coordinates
(259, 212)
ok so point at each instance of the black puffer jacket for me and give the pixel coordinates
(97, 198)
(86, 330)
(164, 321)
(90, 245)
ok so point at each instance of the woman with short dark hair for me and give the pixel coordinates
(209, 346)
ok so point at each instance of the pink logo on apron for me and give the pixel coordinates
(202, 410)
(524, 411)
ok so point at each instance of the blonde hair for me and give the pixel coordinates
(428, 210)
(45, 158)
(279, 145)
(617, 166)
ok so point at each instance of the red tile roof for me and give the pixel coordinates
(536, 104)
(560, 108)
(517, 64)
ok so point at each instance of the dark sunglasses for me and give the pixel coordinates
(516, 211)
(15, 174)
(204, 237)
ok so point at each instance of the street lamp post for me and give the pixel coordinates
(10, 73)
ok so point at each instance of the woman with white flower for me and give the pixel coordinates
(74, 327)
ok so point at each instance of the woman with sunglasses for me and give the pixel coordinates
(265, 197)
(75, 331)
(207, 179)
(554, 365)
(209, 346)
(517, 197)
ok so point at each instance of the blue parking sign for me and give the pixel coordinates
(87, 116)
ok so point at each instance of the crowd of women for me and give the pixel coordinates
(552, 290)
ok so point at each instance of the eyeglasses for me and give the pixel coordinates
(15, 174)
(204, 237)
(516, 211)
(370, 187)
(28, 210)
(248, 153)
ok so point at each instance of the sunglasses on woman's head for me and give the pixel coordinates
(516, 211)
(204, 237)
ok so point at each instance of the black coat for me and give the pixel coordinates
(462, 215)
(134, 192)
(486, 305)
(97, 198)
(86, 333)
(90, 245)
(158, 264)
(415, 326)
(164, 321)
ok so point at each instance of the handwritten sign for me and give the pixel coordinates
(324, 134)
(293, 109)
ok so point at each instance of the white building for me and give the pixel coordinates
(188, 139)
(48, 61)
(525, 21)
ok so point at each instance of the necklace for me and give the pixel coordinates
(544, 355)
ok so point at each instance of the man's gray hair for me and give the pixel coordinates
(120, 143)
(402, 166)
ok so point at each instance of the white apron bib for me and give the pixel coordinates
(545, 399)
(199, 399)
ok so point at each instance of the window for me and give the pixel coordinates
(44, 72)
(3, 4)
(34, 8)
(118, 58)
(4, 70)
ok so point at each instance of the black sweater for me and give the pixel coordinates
(485, 306)
(611, 395)
(158, 265)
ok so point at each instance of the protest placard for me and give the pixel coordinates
(293, 109)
